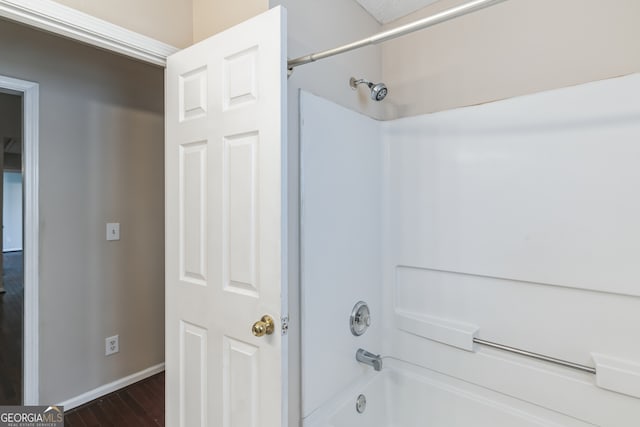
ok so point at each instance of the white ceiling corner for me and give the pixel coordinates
(385, 11)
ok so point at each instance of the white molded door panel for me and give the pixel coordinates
(225, 227)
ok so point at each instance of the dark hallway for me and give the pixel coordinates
(11, 317)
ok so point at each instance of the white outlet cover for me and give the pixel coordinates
(111, 345)
(113, 231)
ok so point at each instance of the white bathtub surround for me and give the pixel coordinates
(514, 222)
(520, 217)
(341, 190)
(403, 395)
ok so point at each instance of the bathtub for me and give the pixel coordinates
(403, 395)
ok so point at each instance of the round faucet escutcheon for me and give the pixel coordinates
(360, 318)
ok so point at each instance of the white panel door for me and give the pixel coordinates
(225, 227)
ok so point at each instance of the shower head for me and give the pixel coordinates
(378, 90)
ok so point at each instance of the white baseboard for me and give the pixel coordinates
(103, 390)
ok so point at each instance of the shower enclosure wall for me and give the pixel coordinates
(514, 222)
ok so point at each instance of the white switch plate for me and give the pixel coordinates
(113, 231)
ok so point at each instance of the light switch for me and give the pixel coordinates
(113, 231)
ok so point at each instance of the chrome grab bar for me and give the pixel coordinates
(537, 356)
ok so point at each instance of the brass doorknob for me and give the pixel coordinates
(264, 326)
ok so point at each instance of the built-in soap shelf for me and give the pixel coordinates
(618, 375)
(611, 373)
(449, 332)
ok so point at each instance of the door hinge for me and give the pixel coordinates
(284, 324)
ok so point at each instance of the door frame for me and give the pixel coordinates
(70, 23)
(67, 22)
(30, 164)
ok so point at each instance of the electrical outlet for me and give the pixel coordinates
(111, 345)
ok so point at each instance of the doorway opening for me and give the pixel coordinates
(19, 239)
(11, 262)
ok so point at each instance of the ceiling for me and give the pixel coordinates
(389, 10)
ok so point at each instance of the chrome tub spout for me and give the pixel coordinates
(363, 356)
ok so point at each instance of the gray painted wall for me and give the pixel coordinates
(101, 160)
(511, 49)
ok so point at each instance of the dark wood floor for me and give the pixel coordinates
(11, 317)
(140, 404)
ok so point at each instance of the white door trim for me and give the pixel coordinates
(68, 22)
(30, 368)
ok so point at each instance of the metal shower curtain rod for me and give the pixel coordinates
(429, 21)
